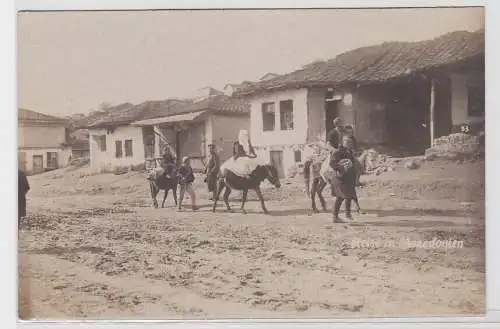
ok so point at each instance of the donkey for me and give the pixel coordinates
(159, 182)
(315, 183)
(229, 180)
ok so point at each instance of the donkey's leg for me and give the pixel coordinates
(226, 198)
(321, 187)
(164, 198)
(217, 192)
(154, 192)
(261, 198)
(243, 200)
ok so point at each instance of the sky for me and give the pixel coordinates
(70, 62)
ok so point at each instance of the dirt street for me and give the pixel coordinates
(94, 247)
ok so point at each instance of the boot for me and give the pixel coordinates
(336, 210)
(348, 209)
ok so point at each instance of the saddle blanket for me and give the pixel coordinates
(242, 166)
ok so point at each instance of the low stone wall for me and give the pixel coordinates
(456, 146)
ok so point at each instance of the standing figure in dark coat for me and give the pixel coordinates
(212, 170)
(344, 182)
(23, 188)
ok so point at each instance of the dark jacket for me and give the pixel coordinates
(186, 174)
(23, 185)
(168, 158)
(341, 154)
(213, 164)
(343, 184)
(23, 188)
(334, 137)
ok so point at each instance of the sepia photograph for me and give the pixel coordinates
(251, 163)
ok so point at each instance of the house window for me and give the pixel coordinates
(51, 160)
(128, 148)
(286, 115)
(298, 156)
(268, 116)
(119, 150)
(475, 107)
(102, 143)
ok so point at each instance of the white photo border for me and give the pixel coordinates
(8, 134)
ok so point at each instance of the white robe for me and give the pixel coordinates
(243, 166)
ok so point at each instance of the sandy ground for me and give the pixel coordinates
(94, 247)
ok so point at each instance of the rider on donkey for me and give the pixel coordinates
(168, 163)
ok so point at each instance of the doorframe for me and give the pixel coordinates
(281, 168)
(329, 118)
(34, 168)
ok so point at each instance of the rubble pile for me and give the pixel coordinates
(375, 163)
(455, 147)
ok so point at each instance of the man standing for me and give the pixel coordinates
(186, 179)
(23, 188)
(212, 171)
(334, 137)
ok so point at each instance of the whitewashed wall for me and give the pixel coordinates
(107, 160)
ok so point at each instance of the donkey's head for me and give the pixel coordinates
(271, 174)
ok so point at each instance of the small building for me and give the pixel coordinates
(401, 95)
(190, 128)
(113, 142)
(42, 142)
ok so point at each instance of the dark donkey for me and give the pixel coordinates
(159, 182)
(230, 180)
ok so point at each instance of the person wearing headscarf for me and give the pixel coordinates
(212, 170)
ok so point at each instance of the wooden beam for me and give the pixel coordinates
(432, 109)
(159, 134)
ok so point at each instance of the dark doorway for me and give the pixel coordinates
(332, 111)
(408, 115)
(443, 123)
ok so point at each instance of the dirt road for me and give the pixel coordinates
(93, 247)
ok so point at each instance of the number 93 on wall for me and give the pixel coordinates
(465, 128)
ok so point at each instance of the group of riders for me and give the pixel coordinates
(185, 172)
(343, 180)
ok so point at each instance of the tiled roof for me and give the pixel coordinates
(126, 113)
(29, 116)
(218, 104)
(380, 63)
(155, 109)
